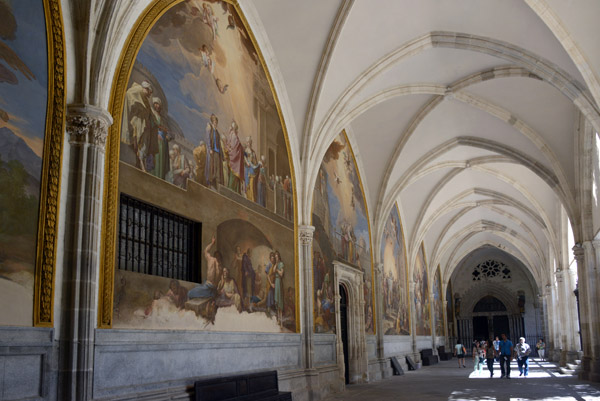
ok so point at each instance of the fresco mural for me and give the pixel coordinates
(23, 104)
(342, 232)
(199, 113)
(438, 307)
(421, 295)
(394, 283)
(199, 107)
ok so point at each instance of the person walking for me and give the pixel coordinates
(478, 357)
(523, 350)
(541, 348)
(497, 348)
(506, 355)
(490, 355)
(459, 352)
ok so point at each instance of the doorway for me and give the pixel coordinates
(480, 328)
(344, 331)
(501, 326)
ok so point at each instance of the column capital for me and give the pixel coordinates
(305, 234)
(87, 124)
(579, 252)
(379, 268)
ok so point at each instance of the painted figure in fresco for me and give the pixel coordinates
(200, 160)
(270, 271)
(287, 205)
(177, 294)
(279, 286)
(181, 169)
(290, 304)
(214, 271)
(215, 153)
(251, 166)
(235, 269)
(206, 59)
(248, 278)
(235, 153)
(161, 158)
(138, 115)
(228, 292)
(319, 268)
(221, 86)
(261, 187)
(209, 18)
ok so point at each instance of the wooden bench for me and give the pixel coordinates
(428, 358)
(262, 386)
(444, 356)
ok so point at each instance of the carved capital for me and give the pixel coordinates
(379, 269)
(579, 253)
(88, 125)
(305, 235)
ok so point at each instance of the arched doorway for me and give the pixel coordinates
(490, 318)
(350, 319)
(344, 331)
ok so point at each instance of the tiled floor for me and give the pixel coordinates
(445, 381)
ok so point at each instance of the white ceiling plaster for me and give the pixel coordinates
(511, 120)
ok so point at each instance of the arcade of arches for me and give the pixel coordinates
(205, 188)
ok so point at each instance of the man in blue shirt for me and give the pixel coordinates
(506, 354)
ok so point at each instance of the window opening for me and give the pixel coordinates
(154, 241)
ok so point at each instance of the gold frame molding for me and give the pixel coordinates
(111, 175)
(45, 266)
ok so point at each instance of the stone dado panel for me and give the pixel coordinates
(27, 363)
(128, 362)
(324, 349)
(397, 345)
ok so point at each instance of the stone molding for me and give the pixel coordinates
(88, 124)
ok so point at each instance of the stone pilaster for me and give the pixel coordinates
(87, 129)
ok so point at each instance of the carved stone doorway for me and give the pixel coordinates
(354, 360)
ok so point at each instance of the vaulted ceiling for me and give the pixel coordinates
(464, 112)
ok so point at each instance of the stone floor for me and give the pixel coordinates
(445, 381)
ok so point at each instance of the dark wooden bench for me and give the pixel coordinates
(444, 356)
(261, 386)
(428, 358)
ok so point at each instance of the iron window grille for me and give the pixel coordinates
(154, 241)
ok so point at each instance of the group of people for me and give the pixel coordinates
(222, 287)
(500, 350)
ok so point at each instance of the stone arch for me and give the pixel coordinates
(499, 291)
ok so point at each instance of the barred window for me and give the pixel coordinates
(154, 241)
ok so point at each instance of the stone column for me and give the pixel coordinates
(432, 318)
(87, 129)
(413, 325)
(305, 238)
(567, 317)
(584, 308)
(589, 295)
(379, 310)
(446, 324)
